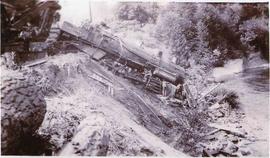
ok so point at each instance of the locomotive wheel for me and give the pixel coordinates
(22, 111)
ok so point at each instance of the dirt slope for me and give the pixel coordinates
(84, 116)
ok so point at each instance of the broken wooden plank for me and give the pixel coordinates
(36, 63)
(227, 130)
(209, 91)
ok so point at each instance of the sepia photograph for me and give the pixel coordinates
(135, 78)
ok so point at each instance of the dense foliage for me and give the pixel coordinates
(210, 34)
(206, 33)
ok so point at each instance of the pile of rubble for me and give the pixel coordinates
(228, 138)
(222, 133)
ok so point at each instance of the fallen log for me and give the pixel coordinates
(226, 130)
(209, 91)
(36, 63)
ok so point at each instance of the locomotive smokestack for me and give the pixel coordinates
(90, 11)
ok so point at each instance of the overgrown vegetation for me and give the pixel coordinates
(191, 131)
(208, 34)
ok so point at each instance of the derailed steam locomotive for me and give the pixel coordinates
(122, 58)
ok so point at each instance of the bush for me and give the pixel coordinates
(255, 36)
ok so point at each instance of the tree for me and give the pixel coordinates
(141, 12)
